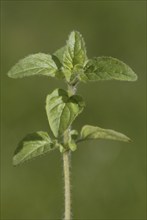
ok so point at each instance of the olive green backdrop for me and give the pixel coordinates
(108, 178)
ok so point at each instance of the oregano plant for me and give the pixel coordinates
(70, 64)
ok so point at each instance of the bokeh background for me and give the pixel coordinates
(108, 178)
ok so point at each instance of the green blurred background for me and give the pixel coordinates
(108, 178)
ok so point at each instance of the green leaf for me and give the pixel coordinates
(62, 149)
(72, 56)
(72, 136)
(62, 110)
(72, 145)
(59, 54)
(107, 68)
(92, 132)
(33, 145)
(75, 51)
(36, 64)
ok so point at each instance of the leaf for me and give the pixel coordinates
(33, 145)
(91, 132)
(62, 110)
(36, 64)
(107, 68)
(62, 149)
(75, 51)
(72, 56)
(59, 54)
(72, 145)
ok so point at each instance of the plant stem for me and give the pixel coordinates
(71, 90)
(66, 167)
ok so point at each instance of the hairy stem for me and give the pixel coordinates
(72, 90)
(66, 167)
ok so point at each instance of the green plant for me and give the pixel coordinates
(70, 63)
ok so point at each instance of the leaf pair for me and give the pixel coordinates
(71, 62)
(39, 143)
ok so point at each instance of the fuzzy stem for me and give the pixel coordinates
(66, 167)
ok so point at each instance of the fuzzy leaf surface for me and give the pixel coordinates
(62, 110)
(107, 68)
(75, 52)
(35, 64)
(59, 53)
(33, 145)
(91, 132)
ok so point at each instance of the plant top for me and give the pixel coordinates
(71, 64)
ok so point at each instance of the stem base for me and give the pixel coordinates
(67, 188)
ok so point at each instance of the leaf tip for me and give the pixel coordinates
(15, 161)
(130, 140)
(127, 139)
(135, 77)
(10, 75)
(75, 32)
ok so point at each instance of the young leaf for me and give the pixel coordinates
(90, 132)
(33, 145)
(62, 110)
(75, 52)
(62, 149)
(72, 145)
(71, 140)
(36, 64)
(107, 68)
(59, 54)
